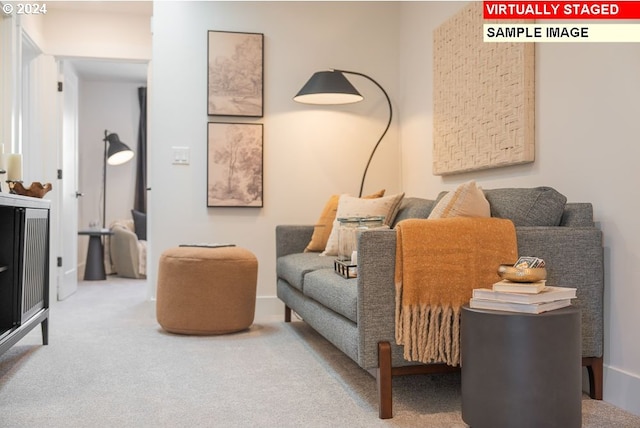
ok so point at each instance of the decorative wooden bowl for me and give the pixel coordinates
(35, 190)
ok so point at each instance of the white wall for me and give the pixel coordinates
(96, 34)
(114, 107)
(8, 88)
(39, 144)
(309, 152)
(587, 129)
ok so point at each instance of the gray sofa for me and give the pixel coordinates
(357, 315)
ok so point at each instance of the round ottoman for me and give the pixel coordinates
(203, 290)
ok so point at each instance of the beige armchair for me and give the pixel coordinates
(128, 254)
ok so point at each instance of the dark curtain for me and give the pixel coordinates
(140, 201)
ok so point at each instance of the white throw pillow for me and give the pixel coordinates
(467, 200)
(350, 206)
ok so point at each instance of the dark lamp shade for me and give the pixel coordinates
(328, 87)
(118, 152)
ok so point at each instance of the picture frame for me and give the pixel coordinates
(234, 164)
(235, 69)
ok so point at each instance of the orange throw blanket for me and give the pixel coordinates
(438, 264)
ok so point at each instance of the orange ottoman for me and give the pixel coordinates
(204, 290)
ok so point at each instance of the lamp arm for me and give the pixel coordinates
(385, 129)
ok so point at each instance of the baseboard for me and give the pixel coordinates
(622, 389)
(269, 308)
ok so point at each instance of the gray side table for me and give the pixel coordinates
(521, 370)
(94, 268)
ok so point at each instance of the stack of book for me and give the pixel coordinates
(525, 297)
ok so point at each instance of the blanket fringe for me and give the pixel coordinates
(430, 334)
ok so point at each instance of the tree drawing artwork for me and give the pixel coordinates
(235, 74)
(235, 165)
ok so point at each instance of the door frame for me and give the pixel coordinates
(68, 196)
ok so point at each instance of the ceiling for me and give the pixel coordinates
(110, 71)
(131, 7)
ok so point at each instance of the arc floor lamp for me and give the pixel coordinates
(115, 153)
(331, 87)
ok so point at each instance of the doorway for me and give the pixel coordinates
(33, 75)
(109, 103)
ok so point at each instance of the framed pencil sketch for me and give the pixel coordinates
(234, 165)
(235, 74)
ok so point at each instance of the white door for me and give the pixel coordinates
(68, 281)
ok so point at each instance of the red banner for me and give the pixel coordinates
(561, 10)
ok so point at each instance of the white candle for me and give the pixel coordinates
(3, 177)
(14, 166)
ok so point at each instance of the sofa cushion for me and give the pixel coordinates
(349, 206)
(322, 228)
(294, 267)
(333, 291)
(467, 200)
(539, 206)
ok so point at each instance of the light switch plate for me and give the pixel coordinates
(180, 155)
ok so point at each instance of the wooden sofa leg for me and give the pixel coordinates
(383, 378)
(595, 370)
(287, 313)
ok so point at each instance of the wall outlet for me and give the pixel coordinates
(180, 155)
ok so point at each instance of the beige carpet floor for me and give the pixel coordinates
(109, 364)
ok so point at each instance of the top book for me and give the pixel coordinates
(549, 294)
(519, 287)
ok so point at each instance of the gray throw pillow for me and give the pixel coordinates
(414, 208)
(140, 224)
(539, 206)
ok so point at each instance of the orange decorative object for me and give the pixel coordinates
(36, 190)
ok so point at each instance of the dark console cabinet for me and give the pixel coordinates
(24, 268)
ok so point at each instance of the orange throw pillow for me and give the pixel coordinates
(322, 228)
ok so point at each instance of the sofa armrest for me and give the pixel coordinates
(291, 239)
(376, 293)
(574, 257)
(577, 214)
(125, 252)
